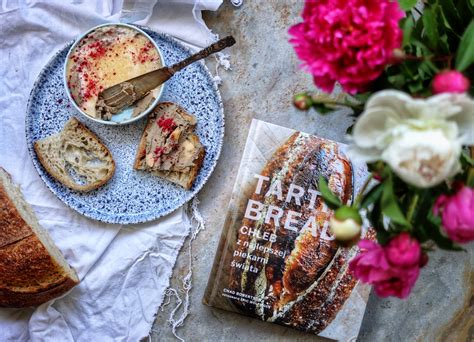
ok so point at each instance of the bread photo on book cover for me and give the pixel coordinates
(76, 157)
(32, 269)
(277, 260)
(168, 147)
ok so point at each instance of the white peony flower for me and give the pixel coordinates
(421, 139)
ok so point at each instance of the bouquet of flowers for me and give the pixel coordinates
(405, 69)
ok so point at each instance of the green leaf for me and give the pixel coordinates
(363, 97)
(383, 237)
(442, 28)
(421, 48)
(376, 221)
(430, 28)
(433, 230)
(465, 53)
(436, 220)
(468, 165)
(389, 204)
(416, 87)
(443, 40)
(434, 69)
(421, 234)
(407, 26)
(407, 5)
(398, 80)
(372, 196)
(466, 159)
(331, 200)
(451, 15)
(442, 241)
(470, 178)
(420, 215)
(467, 10)
(322, 109)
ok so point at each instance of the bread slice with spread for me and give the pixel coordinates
(76, 157)
(169, 148)
(32, 269)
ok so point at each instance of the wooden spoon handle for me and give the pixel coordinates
(221, 44)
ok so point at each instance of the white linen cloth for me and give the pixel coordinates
(125, 270)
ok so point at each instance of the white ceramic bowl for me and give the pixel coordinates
(124, 117)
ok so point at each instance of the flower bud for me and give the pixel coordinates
(302, 101)
(398, 53)
(346, 224)
(450, 81)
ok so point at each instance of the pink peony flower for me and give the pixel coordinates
(457, 214)
(399, 284)
(349, 41)
(403, 251)
(450, 81)
(392, 269)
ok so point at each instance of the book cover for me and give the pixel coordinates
(276, 259)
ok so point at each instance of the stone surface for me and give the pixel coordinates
(263, 79)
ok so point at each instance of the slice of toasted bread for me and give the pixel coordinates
(76, 157)
(32, 268)
(168, 148)
(165, 126)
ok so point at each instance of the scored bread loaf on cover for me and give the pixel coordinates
(76, 157)
(32, 268)
(168, 147)
(308, 289)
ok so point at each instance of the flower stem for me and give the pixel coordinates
(431, 58)
(412, 207)
(362, 190)
(339, 100)
(470, 173)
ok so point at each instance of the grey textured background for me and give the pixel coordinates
(263, 79)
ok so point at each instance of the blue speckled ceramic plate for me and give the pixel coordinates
(130, 196)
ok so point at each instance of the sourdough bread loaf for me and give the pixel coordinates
(76, 157)
(169, 148)
(32, 268)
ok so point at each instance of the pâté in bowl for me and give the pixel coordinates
(107, 55)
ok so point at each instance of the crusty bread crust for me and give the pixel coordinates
(195, 170)
(29, 275)
(12, 226)
(12, 299)
(104, 148)
(67, 182)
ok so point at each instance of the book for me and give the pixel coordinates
(277, 260)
